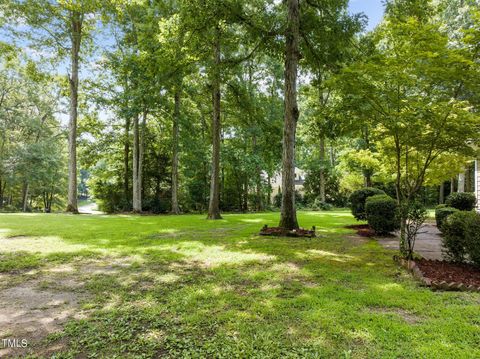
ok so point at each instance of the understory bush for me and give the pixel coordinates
(358, 198)
(463, 201)
(461, 237)
(441, 213)
(319, 205)
(381, 213)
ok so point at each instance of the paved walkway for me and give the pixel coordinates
(428, 243)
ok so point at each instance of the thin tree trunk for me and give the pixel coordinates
(126, 157)
(2, 191)
(214, 205)
(442, 194)
(322, 169)
(136, 203)
(25, 196)
(245, 195)
(452, 185)
(332, 157)
(367, 174)
(141, 156)
(175, 157)
(76, 37)
(258, 175)
(269, 186)
(288, 218)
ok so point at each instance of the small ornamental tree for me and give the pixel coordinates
(417, 108)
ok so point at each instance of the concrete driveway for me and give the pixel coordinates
(428, 243)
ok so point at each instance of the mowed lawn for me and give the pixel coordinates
(185, 287)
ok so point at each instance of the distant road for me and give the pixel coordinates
(89, 208)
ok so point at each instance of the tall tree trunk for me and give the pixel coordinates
(322, 169)
(214, 205)
(332, 157)
(142, 155)
(452, 185)
(441, 196)
(126, 164)
(269, 190)
(258, 179)
(245, 195)
(2, 191)
(76, 38)
(367, 174)
(137, 202)
(288, 217)
(176, 136)
(25, 196)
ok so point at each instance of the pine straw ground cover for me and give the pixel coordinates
(163, 286)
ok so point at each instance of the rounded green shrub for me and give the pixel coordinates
(463, 201)
(358, 198)
(441, 213)
(319, 205)
(472, 238)
(381, 211)
(461, 237)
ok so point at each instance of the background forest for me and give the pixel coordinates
(141, 105)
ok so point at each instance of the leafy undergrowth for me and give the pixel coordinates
(187, 287)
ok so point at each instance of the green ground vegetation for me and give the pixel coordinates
(182, 286)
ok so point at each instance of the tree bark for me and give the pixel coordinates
(258, 175)
(322, 169)
(288, 217)
(126, 157)
(214, 205)
(25, 196)
(76, 38)
(175, 157)
(442, 194)
(452, 185)
(137, 201)
(2, 191)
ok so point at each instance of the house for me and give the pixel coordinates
(276, 182)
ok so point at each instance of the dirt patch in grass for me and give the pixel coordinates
(39, 303)
(32, 310)
(440, 271)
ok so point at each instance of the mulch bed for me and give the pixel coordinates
(282, 232)
(363, 230)
(444, 275)
(450, 272)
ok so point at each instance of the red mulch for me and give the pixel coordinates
(282, 232)
(439, 271)
(363, 230)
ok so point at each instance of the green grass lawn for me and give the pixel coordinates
(182, 286)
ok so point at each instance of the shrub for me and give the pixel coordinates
(381, 211)
(441, 213)
(319, 205)
(472, 238)
(459, 237)
(463, 201)
(358, 198)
